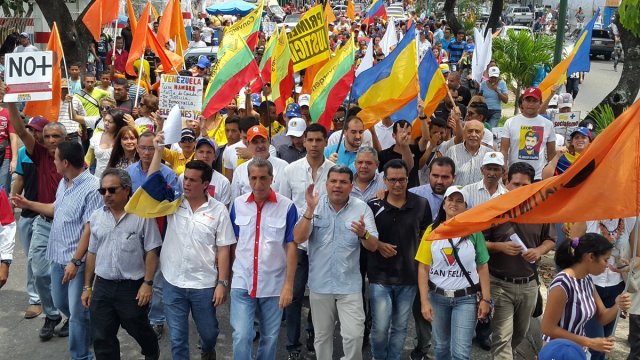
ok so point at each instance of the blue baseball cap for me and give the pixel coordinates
(292, 110)
(562, 349)
(581, 130)
(203, 63)
(256, 100)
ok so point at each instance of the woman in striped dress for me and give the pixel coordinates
(573, 295)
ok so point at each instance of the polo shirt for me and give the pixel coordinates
(263, 233)
(389, 154)
(27, 169)
(532, 235)
(456, 48)
(48, 177)
(120, 60)
(240, 182)
(219, 187)
(177, 160)
(334, 249)
(290, 154)
(120, 244)
(401, 227)
(345, 157)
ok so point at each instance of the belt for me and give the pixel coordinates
(516, 280)
(471, 290)
(119, 280)
(47, 219)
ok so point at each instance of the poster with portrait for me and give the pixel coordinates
(530, 142)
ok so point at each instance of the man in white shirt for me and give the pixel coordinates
(219, 186)
(490, 186)
(25, 44)
(526, 136)
(468, 155)
(196, 40)
(384, 132)
(195, 255)
(258, 146)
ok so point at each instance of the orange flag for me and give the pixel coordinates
(328, 13)
(351, 10)
(310, 75)
(132, 16)
(171, 61)
(608, 169)
(100, 13)
(172, 27)
(50, 109)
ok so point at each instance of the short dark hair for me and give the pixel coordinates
(73, 152)
(439, 122)
(521, 167)
(397, 124)
(340, 169)
(570, 251)
(315, 128)
(444, 161)
(121, 82)
(353, 111)
(480, 108)
(206, 172)
(247, 123)
(235, 119)
(121, 174)
(263, 106)
(395, 164)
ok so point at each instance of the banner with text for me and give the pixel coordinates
(309, 40)
(184, 91)
(28, 76)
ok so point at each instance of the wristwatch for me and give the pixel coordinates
(148, 282)
(76, 262)
(224, 283)
(366, 235)
(6, 262)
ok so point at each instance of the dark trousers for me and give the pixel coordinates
(573, 86)
(114, 304)
(294, 310)
(593, 329)
(634, 337)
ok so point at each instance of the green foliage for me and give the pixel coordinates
(630, 15)
(603, 116)
(518, 53)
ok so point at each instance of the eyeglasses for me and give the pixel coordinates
(111, 190)
(106, 108)
(146, 148)
(187, 140)
(398, 180)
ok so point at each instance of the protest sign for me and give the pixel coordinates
(28, 76)
(309, 40)
(173, 126)
(184, 91)
(565, 123)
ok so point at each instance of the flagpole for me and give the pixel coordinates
(66, 73)
(115, 35)
(140, 71)
(632, 265)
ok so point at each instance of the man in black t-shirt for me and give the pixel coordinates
(102, 49)
(410, 153)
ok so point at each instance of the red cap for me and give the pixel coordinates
(533, 92)
(257, 130)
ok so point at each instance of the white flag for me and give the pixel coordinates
(367, 61)
(390, 38)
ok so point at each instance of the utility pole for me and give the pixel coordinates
(562, 20)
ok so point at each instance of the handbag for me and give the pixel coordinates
(468, 277)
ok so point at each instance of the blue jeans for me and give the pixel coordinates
(178, 302)
(454, 321)
(390, 310)
(66, 297)
(41, 267)
(593, 329)
(24, 229)
(5, 176)
(156, 309)
(494, 117)
(294, 310)
(243, 311)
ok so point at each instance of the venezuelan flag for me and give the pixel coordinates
(572, 63)
(155, 198)
(235, 68)
(433, 88)
(391, 84)
(331, 85)
(376, 9)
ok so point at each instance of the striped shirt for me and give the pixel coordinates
(73, 207)
(478, 193)
(467, 164)
(564, 162)
(580, 306)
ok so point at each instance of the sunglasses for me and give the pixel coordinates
(111, 190)
(187, 140)
(106, 108)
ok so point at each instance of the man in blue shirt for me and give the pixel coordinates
(352, 139)
(456, 49)
(495, 93)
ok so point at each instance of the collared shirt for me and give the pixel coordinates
(334, 249)
(64, 117)
(384, 134)
(435, 200)
(72, 208)
(263, 233)
(219, 187)
(345, 157)
(297, 176)
(138, 176)
(240, 184)
(467, 164)
(188, 256)
(120, 244)
(289, 153)
(478, 193)
(177, 160)
(403, 228)
(376, 184)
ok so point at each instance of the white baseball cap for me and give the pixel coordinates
(304, 99)
(296, 127)
(554, 100)
(493, 158)
(565, 100)
(494, 71)
(455, 189)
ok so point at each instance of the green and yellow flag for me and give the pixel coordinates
(281, 72)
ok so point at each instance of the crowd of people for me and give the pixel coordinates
(253, 207)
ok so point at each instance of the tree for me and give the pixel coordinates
(16, 8)
(624, 94)
(518, 54)
(494, 17)
(450, 15)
